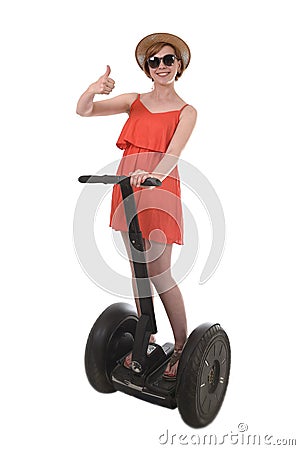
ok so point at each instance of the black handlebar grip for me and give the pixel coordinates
(115, 179)
(151, 182)
(84, 178)
(104, 179)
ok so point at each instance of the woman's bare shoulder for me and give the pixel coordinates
(130, 96)
(189, 110)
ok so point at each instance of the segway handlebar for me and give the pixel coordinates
(115, 179)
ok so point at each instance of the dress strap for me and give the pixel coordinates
(184, 106)
(133, 103)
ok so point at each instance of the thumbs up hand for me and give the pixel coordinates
(104, 85)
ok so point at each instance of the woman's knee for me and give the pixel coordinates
(162, 280)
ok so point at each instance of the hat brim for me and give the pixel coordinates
(166, 38)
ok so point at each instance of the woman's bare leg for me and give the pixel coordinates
(159, 269)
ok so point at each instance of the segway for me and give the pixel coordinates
(204, 366)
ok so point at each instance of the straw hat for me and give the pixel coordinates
(166, 38)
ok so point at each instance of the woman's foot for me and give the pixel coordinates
(128, 359)
(172, 367)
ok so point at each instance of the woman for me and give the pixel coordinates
(158, 128)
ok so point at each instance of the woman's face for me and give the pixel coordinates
(165, 74)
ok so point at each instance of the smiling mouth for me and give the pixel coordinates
(162, 74)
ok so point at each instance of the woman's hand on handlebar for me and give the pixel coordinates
(139, 176)
(104, 85)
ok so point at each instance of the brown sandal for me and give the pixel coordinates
(127, 361)
(174, 359)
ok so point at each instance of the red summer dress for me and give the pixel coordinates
(145, 138)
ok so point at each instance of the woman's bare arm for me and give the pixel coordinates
(104, 85)
(178, 142)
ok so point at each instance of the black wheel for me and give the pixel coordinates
(203, 375)
(111, 337)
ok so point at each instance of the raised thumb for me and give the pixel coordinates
(108, 70)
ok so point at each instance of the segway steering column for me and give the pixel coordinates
(146, 324)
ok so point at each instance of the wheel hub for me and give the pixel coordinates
(213, 376)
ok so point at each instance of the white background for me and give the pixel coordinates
(244, 81)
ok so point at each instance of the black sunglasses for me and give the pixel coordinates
(155, 61)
